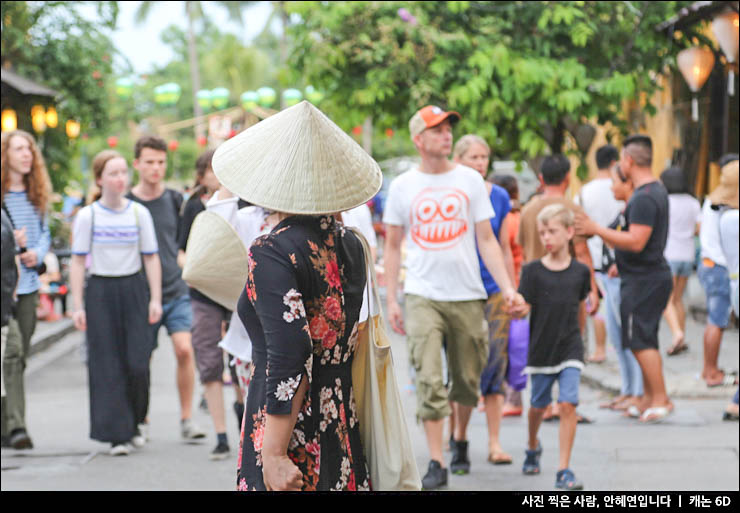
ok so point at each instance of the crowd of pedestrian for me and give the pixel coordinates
(489, 293)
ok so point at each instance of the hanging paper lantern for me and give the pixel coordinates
(232, 133)
(167, 94)
(204, 99)
(112, 141)
(696, 64)
(357, 130)
(389, 132)
(220, 97)
(313, 95)
(73, 128)
(173, 92)
(38, 118)
(124, 88)
(267, 96)
(173, 145)
(52, 119)
(202, 140)
(9, 120)
(160, 97)
(292, 97)
(249, 100)
(726, 27)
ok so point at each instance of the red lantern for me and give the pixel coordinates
(232, 133)
(389, 132)
(112, 141)
(96, 74)
(173, 145)
(357, 130)
(202, 140)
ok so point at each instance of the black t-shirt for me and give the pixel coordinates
(193, 207)
(555, 296)
(647, 206)
(165, 212)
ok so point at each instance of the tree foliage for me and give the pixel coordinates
(518, 72)
(53, 44)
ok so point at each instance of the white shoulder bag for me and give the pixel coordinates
(385, 436)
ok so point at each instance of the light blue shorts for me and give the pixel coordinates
(680, 268)
(568, 380)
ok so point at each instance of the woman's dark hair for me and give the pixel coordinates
(675, 181)
(509, 183)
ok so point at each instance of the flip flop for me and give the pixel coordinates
(677, 349)
(728, 380)
(582, 419)
(595, 360)
(499, 458)
(511, 412)
(633, 412)
(551, 417)
(659, 413)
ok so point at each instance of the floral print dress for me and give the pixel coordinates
(301, 309)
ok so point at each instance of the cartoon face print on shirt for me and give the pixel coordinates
(439, 217)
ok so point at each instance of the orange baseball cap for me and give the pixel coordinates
(430, 116)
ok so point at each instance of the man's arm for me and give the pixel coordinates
(392, 263)
(633, 240)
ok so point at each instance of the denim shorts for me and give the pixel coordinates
(680, 268)
(716, 283)
(177, 315)
(568, 381)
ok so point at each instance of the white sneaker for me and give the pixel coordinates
(120, 450)
(138, 441)
(190, 430)
(144, 431)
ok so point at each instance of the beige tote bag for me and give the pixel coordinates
(385, 436)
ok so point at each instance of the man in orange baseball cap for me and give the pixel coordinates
(441, 208)
(428, 117)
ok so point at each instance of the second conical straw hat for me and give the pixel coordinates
(298, 161)
(217, 262)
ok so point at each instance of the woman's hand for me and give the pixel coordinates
(155, 312)
(80, 319)
(280, 474)
(613, 272)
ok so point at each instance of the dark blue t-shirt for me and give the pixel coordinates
(501, 206)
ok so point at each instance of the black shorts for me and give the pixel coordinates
(643, 300)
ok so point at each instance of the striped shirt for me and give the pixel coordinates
(38, 237)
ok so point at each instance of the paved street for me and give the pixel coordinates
(694, 450)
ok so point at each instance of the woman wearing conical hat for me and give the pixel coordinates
(301, 304)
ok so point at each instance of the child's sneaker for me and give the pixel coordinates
(566, 480)
(532, 460)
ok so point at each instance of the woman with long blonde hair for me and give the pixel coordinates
(25, 191)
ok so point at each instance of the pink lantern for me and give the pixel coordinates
(112, 141)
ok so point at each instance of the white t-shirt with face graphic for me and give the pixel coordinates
(438, 213)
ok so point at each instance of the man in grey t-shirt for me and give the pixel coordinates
(150, 160)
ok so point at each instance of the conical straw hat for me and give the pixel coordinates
(216, 262)
(299, 162)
